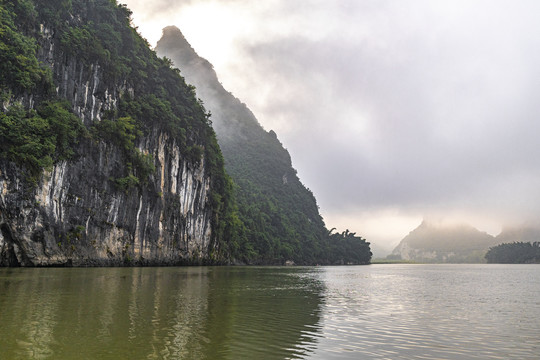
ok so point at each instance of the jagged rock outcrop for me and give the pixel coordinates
(76, 215)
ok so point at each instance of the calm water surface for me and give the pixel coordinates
(365, 312)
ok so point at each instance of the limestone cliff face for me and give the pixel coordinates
(77, 216)
(83, 85)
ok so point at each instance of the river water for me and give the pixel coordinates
(358, 312)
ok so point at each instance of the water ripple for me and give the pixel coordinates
(430, 312)
(370, 312)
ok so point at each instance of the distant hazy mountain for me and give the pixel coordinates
(281, 217)
(440, 243)
(517, 245)
(524, 233)
(380, 251)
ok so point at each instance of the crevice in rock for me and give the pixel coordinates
(7, 254)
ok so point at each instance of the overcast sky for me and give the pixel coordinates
(393, 111)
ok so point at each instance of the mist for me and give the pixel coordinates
(392, 113)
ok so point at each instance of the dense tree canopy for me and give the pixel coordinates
(514, 253)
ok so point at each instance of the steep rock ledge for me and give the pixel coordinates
(77, 217)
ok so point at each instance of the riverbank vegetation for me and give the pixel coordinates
(515, 253)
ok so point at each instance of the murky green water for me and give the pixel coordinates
(367, 312)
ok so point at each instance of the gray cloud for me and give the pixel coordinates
(447, 116)
(426, 107)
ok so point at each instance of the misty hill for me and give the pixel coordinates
(440, 243)
(524, 233)
(517, 245)
(280, 214)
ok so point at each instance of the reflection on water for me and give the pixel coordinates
(157, 313)
(431, 312)
(367, 312)
(35, 321)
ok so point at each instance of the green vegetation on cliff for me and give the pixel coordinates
(33, 138)
(37, 138)
(38, 127)
(20, 70)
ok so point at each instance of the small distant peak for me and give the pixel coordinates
(444, 223)
(172, 30)
(172, 37)
(425, 224)
(174, 45)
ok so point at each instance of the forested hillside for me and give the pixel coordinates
(280, 216)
